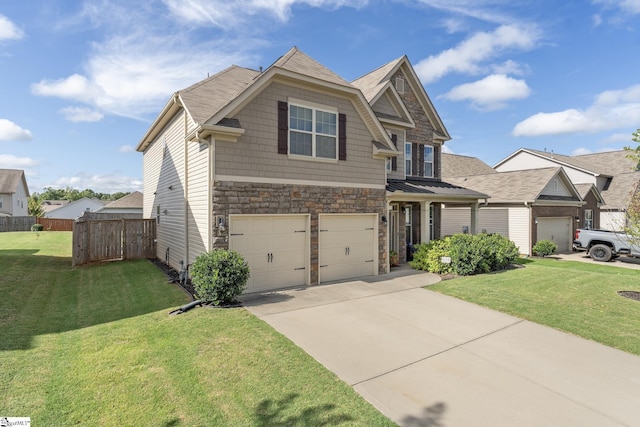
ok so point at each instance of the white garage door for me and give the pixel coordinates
(347, 246)
(275, 247)
(558, 230)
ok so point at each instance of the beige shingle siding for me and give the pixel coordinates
(198, 208)
(384, 106)
(256, 155)
(162, 170)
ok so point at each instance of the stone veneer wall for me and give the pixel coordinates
(423, 131)
(261, 198)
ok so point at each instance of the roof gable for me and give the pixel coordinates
(377, 81)
(10, 179)
(523, 186)
(216, 99)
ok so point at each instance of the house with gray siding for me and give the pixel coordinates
(297, 169)
(525, 206)
(14, 193)
(614, 175)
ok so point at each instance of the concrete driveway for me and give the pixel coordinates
(426, 359)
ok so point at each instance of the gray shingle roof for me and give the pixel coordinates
(417, 186)
(617, 195)
(10, 179)
(454, 165)
(131, 200)
(510, 187)
(207, 97)
(297, 61)
(371, 83)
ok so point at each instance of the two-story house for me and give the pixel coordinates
(302, 172)
(14, 193)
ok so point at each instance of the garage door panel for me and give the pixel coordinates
(347, 246)
(558, 230)
(274, 246)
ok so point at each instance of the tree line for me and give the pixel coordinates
(69, 194)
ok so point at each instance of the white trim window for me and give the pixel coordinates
(407, 159)
(313, 132)
(428, 161)
(588, 219)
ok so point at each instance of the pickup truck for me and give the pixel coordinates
(602, 245)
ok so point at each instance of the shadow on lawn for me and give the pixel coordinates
(277, 413)
(44, 295)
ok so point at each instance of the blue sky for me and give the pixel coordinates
(82, 80)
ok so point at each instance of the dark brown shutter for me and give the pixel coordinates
(283, 127)
(394, 160)
(414, 159)
(342, 136)
(420, 159)
(436, 161)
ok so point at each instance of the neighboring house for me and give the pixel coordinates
(289, 167)
(14, 193)
(613, 174)
(75, 209)
(525, 206)
(51, 205)
(454, 165)
(131, 204)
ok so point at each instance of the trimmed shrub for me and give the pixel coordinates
(219, 276)
(428, 257)
(469, 254)
(544, 248)
(37, 227)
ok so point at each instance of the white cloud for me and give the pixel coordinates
(613, 109)
(10, 131)
(581, 151)
(597, 20)
(126, 149)
(446, 149)
(490, 93)
(228, 15)
(469, 55)
(8, 30)
(620, 137)
(9, 161)
(99, 183)
(79, 114)
(627, 6)
(484, 10)
(135, 75)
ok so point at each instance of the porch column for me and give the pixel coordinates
(474, 218)
(425, 229)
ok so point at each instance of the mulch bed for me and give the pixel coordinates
(173, 276)
(634, 295)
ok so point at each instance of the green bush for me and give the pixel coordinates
(37, 227)
(469, 254)
(219, 276)
(428, 257)
(544, 248)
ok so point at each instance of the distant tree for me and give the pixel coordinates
(634, 152)
(34, 206)
(632, 214)
(72, 194)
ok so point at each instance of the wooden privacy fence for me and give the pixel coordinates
(113, 239)
(55, 224)
(16, 223)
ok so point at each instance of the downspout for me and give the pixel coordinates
(531, 224)
(212, 175)
(186, 190)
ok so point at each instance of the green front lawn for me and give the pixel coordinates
(572, 296)
(95, 346)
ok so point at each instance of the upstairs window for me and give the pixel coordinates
(0, 202)
(407, 159)
(428, 161)
(312, 132)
